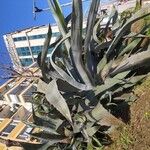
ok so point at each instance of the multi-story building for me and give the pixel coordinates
(12, 130)
(24, 45)
(19, 90)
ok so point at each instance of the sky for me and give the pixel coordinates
(17, 14)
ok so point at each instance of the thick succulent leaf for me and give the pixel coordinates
(89, 60)
(110, 82)
(145, 11)
(65, 86)
(67, 19)
(41, 86)
(90, 23)
(92, 130)
(95, 29)
(49, 144)
(41, 60)
(43, 55)
(76, 41)
(112, 17)
(105, 71)
(31, 146)
(130, 46)
(102, 46)
(60, 20)
(133, 62)
(54, 97)
(63, 74)
(136, 35)
(46, 129)
(101, 115)
(136, 79)
(45, 47)
(101, 64)
(53, 123)
(47, 136)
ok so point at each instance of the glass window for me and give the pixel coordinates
(55, 34)
(36, 49)
(24, 135)
(7, 130)
(40, 36)
(23, 51)
(26, 61)
(23, 38)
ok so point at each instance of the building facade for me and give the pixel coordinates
(19, 90)
(24, 46)
(12, 130)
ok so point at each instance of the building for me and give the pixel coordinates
(12, 129)
(24, 45)
(19, 90)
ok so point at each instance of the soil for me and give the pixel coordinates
(136, 134)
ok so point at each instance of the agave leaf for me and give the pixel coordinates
(136, 35)
(89, 60)
(46, 129)
(47, 136)
(45, 47)
(145, 11)
(130, 47)
(30, 146)
(126, 97)
(52, 123)
(102, 46)
(133, 62)
(63, 74)
(41, 86)
(100, 115)
(67, 19)
(76, 41)
(60, 20)
(42, 56)
(113, 16)
(101, 64)
(92, 130)
(129, 82)
(110, 82)
(49, 144)
(100, 146)
(138, 5)
(54, 97)
(95, 29)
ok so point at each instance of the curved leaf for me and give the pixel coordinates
(54, 97)
(63, 74)
(145, 11)
(76, 41)
(89, 60)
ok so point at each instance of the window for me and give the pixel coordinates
(36, 49)
(26, 61)
(23, 51)
(7, 130)
(55, 34)
(33, 37)
(24, 135)
(40, 36)
(23, 38)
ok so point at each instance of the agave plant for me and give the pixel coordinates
(86, 78)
